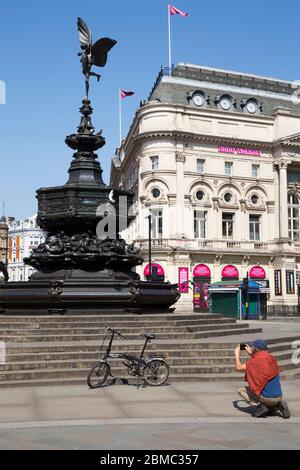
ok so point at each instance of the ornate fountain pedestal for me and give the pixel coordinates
(80, 271)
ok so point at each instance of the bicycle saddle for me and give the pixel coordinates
(148, 336)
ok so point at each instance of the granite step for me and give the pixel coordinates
(89, 362)
(176, 370)
(223, 331)
(118, 325)
(282, 351)
(184, 378)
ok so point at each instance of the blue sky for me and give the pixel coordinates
(45, 86)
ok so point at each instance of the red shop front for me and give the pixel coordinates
(158, 272)
(201, 282)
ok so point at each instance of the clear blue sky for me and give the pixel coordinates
(44, 83)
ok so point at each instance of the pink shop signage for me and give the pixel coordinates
(257, 272)
(239, 151)
(230, 272)
(184, 280)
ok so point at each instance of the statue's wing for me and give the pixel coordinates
(100, 50)
(85, 35)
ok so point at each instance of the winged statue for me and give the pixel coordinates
(92, 54)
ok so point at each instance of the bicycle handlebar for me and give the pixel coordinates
(117, 333)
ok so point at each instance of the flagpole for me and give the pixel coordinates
(170, 42)
(120, 117)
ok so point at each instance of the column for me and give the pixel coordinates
(282, 164)
(180, 162)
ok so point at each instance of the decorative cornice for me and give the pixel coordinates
(204, 138)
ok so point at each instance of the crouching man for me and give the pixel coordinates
(263, 377)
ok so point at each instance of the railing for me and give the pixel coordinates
(164, 72)
(212, 245)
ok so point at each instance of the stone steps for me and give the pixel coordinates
(30, 370)
(280, 352)
(217, 331)
(104, 319)
(185, 378)
(62, 350)
(89, 362)
(115, 324)
(126, 331)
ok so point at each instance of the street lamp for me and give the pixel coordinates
(150, 245)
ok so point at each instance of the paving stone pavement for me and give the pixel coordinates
(179, 416)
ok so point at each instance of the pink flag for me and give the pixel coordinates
(176, 11)
(124, 94)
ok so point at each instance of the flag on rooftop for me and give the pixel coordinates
(125, 94)
(176, 11)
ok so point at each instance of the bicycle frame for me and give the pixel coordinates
(125, 356)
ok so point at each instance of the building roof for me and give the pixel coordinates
(3, 223)
(186, 78)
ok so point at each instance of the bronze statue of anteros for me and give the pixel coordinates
(92, 54)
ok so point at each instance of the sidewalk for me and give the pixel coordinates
(123, 402)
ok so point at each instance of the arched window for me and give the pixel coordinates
(294, 217)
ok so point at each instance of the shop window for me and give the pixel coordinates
(227, 226)
(200, 218)
(254, 227)
(157, 223)
(294, 217)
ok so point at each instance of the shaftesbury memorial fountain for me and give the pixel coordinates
(78, 271)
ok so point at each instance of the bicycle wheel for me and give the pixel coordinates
(98, 375)
(156, 372)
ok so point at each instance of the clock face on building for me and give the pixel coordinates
(198, 99)
(251, 107)
(225, 103)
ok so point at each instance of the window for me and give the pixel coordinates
(294, 217)
(227, 225)
(228, 198)
(156, 193)
(200, 195)
(228, 168)
(290, 282)
(157, 223)
(254, 227)
(200, 166)
(200, 218)
(254, 199)
(155, 163)
(255, 171)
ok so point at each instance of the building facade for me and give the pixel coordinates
(214, 155)
(3, 240)
(23, 236)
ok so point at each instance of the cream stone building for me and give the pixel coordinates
(23, 237)
(214, 155)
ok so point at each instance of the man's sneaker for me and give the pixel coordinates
(284, 409)
(261, 411)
